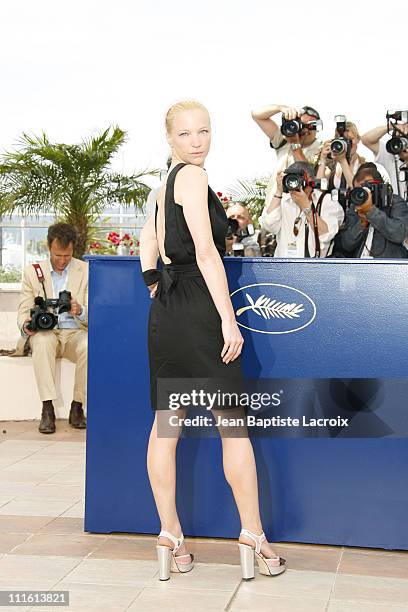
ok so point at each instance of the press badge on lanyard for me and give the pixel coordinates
(292, 249)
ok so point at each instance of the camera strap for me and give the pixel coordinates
(40, 276)
(315, 211)
(397, 175)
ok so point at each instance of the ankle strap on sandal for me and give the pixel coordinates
(258, 539)
(176, 541)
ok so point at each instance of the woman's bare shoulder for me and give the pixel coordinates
(190, 171)
(190, 177)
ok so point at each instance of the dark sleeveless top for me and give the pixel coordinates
(185, 336)
(178, 243)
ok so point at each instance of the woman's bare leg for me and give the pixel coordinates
(161, 467)
(240, 472)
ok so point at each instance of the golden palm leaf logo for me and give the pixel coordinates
(268, 308)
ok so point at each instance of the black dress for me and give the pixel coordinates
(184, 337)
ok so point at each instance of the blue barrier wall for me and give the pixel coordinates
(351, 323)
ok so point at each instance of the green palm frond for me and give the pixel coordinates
(73, 181)
(251, 192)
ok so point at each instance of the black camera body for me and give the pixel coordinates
(291, 127)
(396, 144)
(381, 194)
(41, 318)
(296, 182)
(232, 229)
(340, 144)
(235, 230)
(399, 140)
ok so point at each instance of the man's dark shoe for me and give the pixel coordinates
(76, 416)
(47, 423)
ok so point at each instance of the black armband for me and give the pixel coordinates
(151, 276)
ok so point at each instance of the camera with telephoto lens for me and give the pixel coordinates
(41, 318)
(341, 144)
(291, 127)
(381, 194)
(399, 140)
(296, 182)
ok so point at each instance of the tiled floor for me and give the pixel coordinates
(43, 546)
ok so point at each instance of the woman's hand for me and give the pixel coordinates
(153, 289)
(233, 341)
(325, 150)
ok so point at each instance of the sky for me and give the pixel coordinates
(74, 68)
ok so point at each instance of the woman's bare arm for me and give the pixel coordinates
(192, 191)
(149, 250)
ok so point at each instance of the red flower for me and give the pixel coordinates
(219, 194)
(132, 252)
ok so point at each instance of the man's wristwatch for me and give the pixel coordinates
(295, 146)
(307, 210)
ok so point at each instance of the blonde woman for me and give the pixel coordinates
(193, 333)
(339, 166)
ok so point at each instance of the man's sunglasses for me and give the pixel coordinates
(308, 110)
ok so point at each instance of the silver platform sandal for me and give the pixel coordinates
(167, 557)
(267, 567)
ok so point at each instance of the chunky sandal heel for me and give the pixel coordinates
(267, 567)
(246, 554)
(167, 557)
(164, 559)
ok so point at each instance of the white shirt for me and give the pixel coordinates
(59, 283)
(388, 161)
(284, 158)
(365, 253)
(281, 221)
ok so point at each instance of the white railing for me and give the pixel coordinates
(15, 255)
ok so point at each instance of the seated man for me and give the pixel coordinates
(378, 226)
(69, 337)
(304, 220)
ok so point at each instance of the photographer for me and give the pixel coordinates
(301, 146)
(68, 338)
(377, 220)
(241, 239)
(339, 161)
(373, 139)
(305, 220)
(340, 168)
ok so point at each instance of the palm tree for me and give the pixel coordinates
(74, 182)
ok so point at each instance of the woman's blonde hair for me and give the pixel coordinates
(181, 106)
